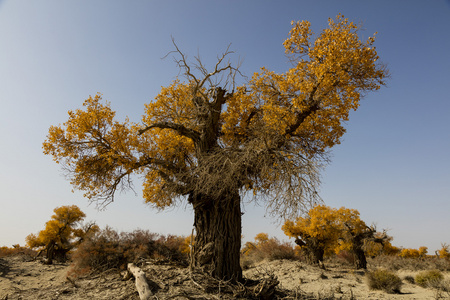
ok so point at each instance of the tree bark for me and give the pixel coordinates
(358, 252)
(313, 249)
(217, 244)
(360, 258)
(50, 252)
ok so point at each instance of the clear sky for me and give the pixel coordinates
(393, 164)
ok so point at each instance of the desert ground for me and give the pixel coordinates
(21, 277)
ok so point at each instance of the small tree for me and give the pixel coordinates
(207, 141)
(318, 232)
(326, 229)
(356, 236)
(444, 252)
(60, 234)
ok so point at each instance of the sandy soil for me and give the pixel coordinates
(23, 278)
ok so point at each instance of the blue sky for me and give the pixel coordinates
(393, 164)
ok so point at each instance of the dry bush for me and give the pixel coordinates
(100, 252)
(343, 258)
(430, 278)
(274, 249)
(384, 280)
(109, 249)
(265, 248)
(171, 247)
(395, 263)
(15, 250)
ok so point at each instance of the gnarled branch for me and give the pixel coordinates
(180, 129)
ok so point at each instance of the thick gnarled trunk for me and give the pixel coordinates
(314, 250)
(217, 245)
(358, 252)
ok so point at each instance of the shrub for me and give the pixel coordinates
(274, 249)
(346, 257)
(16, 249)
(109, 249)
(266, 248)
(444, 252)
(384, 280)
(409, 253)
(429, 278)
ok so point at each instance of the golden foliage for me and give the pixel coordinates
(335, 230)
(444, 252)
(320, 228)
(61, 229)
(413, 253)
(268, 136)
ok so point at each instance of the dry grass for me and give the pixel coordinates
(431, 278)
(384, 280)
(395, 263)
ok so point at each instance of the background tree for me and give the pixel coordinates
(317, 232)
(208, 141)
(60, 234)
(444, 252)
(328, 230)
(356, 236)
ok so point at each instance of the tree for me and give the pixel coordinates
(356, 236)
(444, 252)
(327, 230)
(60, 234)
(317, 233)
(208, 141)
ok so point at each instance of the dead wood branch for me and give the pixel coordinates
(141, 282)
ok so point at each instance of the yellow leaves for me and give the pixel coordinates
(60, 229)
(173, 104)
(261, 238)
(298, 41)
(93, 146)
(330, 72)
(409, 253)
(68, 214)
(413, 253)
(328, 225)
(320, 223)
(444, 252)
(294, 116)
(154, 192)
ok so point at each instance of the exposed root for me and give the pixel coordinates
(264, 288)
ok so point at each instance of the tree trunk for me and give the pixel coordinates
(316, 256)
(314, 251)
(217, 244)
(360, 259)
(50, 253)
(358, 253)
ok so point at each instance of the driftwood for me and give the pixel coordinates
(141, 282)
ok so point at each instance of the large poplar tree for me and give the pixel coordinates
(207, 141)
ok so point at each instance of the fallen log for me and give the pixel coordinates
(141, 282)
